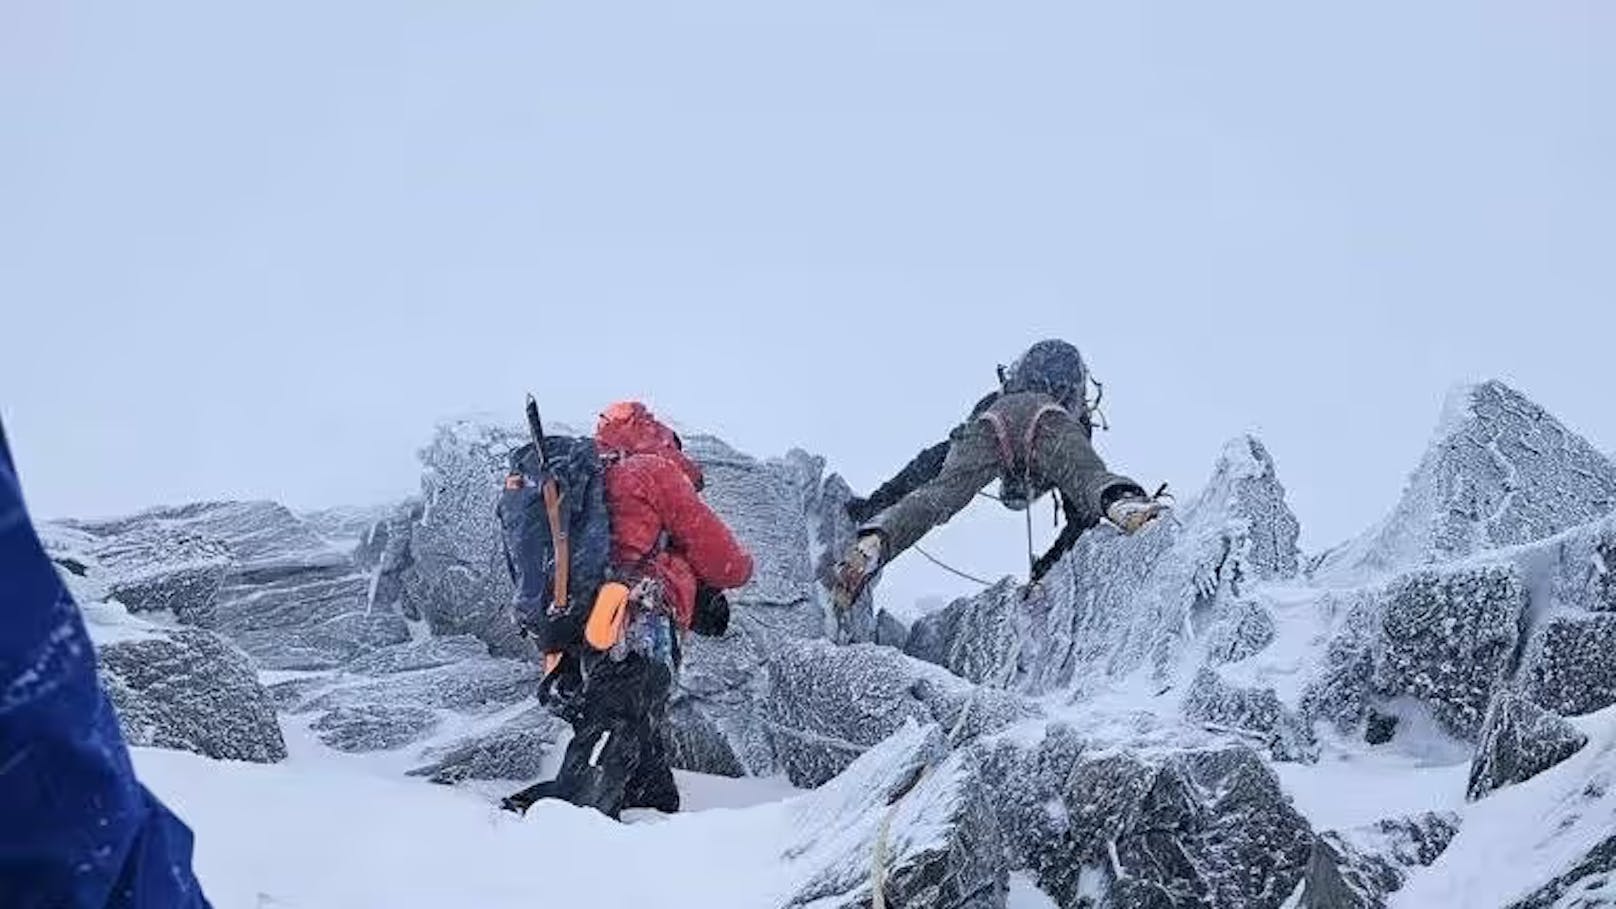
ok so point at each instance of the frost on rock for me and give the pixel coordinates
(1361, 867)
(829, 704)
(907, 814)
(191, 690)
(975, 637)
(456, 580)
(1244, 632)
(252, 571)
(1587, 885)
(1444, 637)
(1500, 472)
(1255, 713)
(516, 750)
(381, 712)
(1118, 604)
(1570, 664)
(1207, 828)
(716, 719)
(1519, 740)
(374, 727)
(426, 653)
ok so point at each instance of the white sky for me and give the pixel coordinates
(258, 250)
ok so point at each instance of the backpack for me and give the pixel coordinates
(557, 566)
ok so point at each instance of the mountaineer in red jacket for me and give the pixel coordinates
(677, 557)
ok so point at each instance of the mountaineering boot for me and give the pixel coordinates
(857, 568)
(520, 802)
(1132, 513)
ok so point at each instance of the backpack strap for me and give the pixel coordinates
(1009, 459)
(1001, 433)
(1038, 415)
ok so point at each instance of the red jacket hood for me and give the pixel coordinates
(629, 428)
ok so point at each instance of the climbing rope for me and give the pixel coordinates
(951, 569)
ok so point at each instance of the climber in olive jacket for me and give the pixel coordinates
(1033, 436)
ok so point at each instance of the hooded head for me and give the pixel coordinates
(1053, 367)
(629, 428)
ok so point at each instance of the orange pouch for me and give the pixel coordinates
(609, 617)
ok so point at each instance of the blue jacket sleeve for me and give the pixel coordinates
(76, 828)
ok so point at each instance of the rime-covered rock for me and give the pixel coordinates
(1570, 664)
(717, 721)
(828, 704)
(516, 750)
(399, 707)
(1519, 740)
(1500, 472)
(1586, 885)
(1245, 630)
(890, 631)
(1118, 604)
(457, 580)
(471, 685)
(252, 571)
(425, 653)
(191, 690)
(918, 807)
(1207, 828)
(976, 637)
(1360, 867)
(1445, 637)
(1569, 661)
(374, 727)
(1253, 712)
(346, 526)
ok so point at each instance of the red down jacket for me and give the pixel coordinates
(651, 491)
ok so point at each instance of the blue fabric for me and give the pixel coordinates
(76, 828)
(529, 550)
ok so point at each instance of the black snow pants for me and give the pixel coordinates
(617, 758)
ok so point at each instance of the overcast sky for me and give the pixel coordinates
(259, 249)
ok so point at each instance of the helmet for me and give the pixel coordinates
(1053, 367)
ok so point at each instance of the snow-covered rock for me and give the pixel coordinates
(828, 704)
(1116, 605)
(190, 689)
(1589, 884)
(455, 578)
(1144, 827)
(1253, 712)
(252, 571)
(382, 712)
(515, 750)
(1501, 472)
(1359, 868)
(1519, 740)
(908, 817)
(1445, 637)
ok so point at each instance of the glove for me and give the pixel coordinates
(858, 566)
(552, 631)
(1132, 513)
(712, 612)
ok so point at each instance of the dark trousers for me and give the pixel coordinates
(617, 758)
